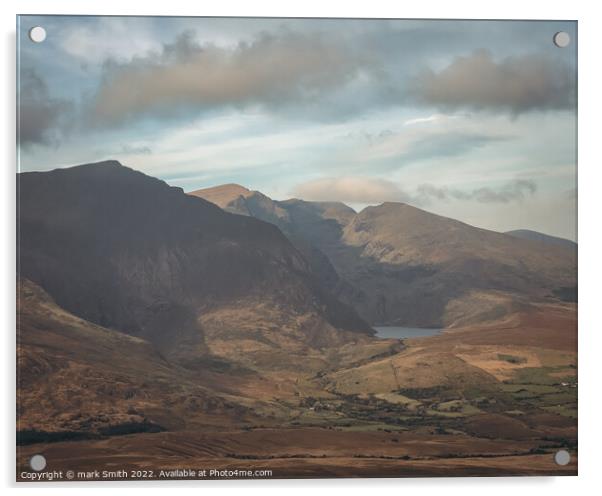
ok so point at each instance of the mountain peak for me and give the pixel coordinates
(105, 164)
(223, 194)
(229, 187)
(108, 163)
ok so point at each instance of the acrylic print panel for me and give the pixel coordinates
(282, 248)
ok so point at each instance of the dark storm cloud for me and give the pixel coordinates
(271, 70)
(42, 119)
(516, 190)
(516, 84)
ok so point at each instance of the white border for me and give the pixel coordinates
(590, 227)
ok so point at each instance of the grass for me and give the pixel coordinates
(564, 410)
(377, 426)
(541, 388)
(423, 393)
(531, 388)
(511, 359)
(398, 399)
(565, 396)
(453, 409)
(130, 428)
(437, 413)
(541, 375)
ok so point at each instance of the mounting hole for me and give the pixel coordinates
(562, 39)
(37, 34)
(37, 462)
(562, 457)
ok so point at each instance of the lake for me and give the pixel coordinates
(389, 332)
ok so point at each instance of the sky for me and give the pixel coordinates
(474, 120)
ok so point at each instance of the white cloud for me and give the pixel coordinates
(430, 119)
(108, 37)
(351, 189)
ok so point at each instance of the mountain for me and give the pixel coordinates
(400, 265)
(299, 221)
(224, 194)
(127, 252)
(544, 238)
(425, 269)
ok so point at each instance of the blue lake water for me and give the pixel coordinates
(389, 332)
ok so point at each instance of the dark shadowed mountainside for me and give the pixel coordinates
(126, 251)
(400, 265)
(308, 225)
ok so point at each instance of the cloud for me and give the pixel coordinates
(370, 138)
(516, 190)
(271, 70)
(42, 119)
(445, 145)
(429, 120)
(367, 190)
(395, 150)
(351, 189)
(93, 40)
(127, 149)
(515, 84)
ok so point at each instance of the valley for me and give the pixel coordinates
(458, 403)
(171, 332)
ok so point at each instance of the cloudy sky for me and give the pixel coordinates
(472, 120)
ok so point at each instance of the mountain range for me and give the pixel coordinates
(166, 329)
(400, 265)
(128, 252)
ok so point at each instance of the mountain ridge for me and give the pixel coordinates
(400, 265)
(127, 251)
(542, 237)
